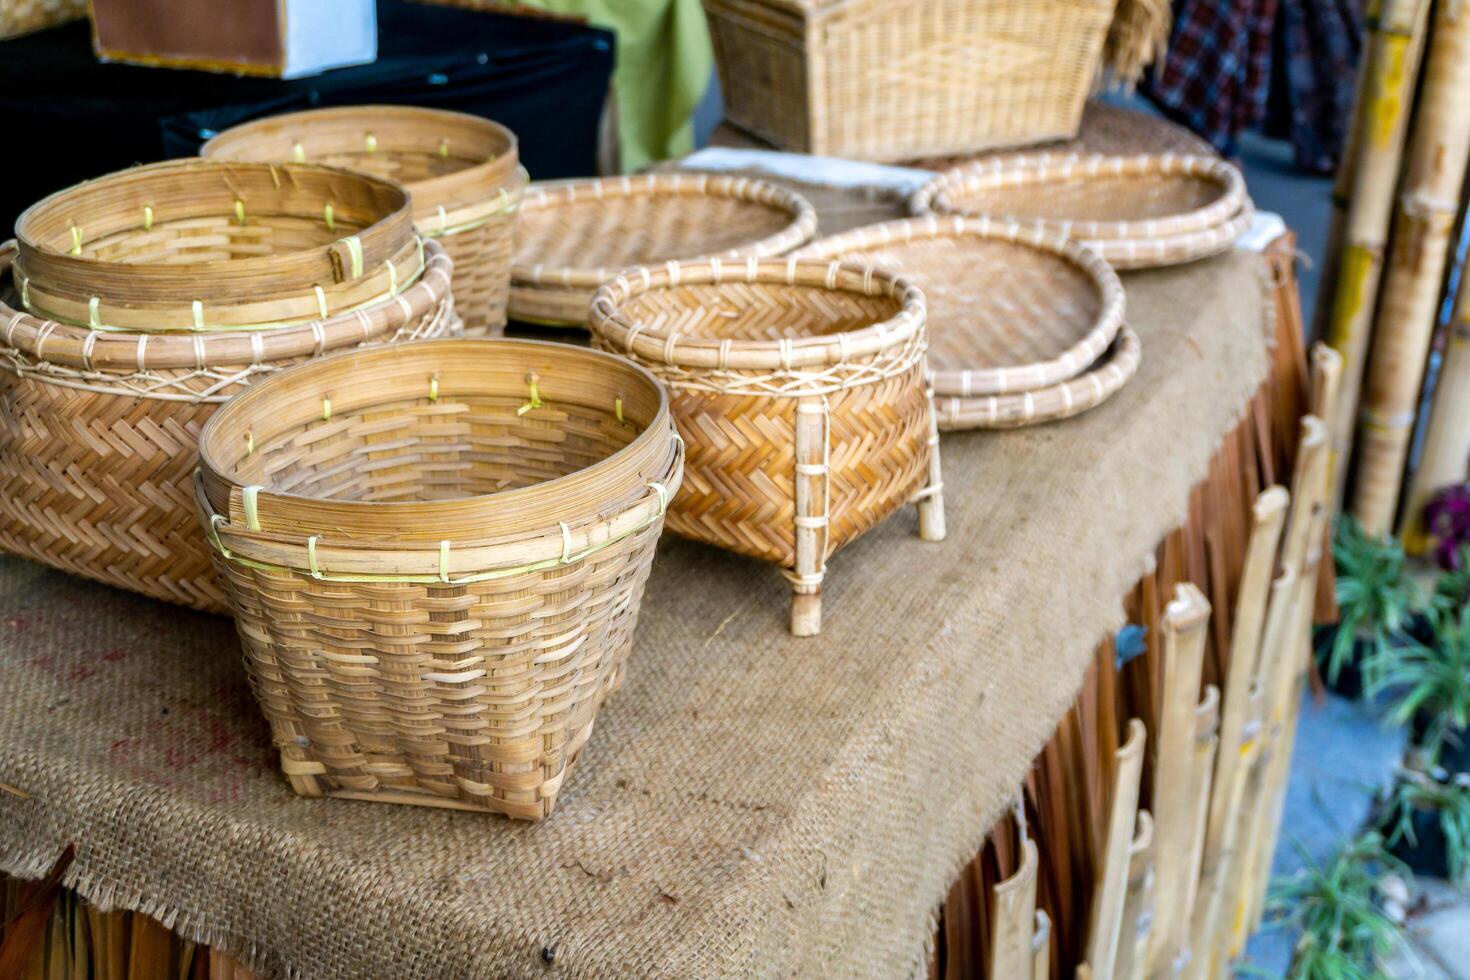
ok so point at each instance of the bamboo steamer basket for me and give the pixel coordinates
(799, 389)
(99, 423)
(1136, 212)
(886, 81)
(1009, 309)
(463, 172)
(435, 554)
(575, 235)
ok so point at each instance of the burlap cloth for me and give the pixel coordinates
(750, 804)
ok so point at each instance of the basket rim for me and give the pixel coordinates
(609, 323)
(1040, 169)
(299, 270)
(480, 524)
(459, 189)
(70, 346)
(1165, 250)
(1101, 381)
(544, 195)
(965, 382)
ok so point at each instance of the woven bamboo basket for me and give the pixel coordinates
(879, 80)
(99, 422)
(1009, 308)
(1136, 212)
(575, 235)
(799, 389)
(435, 554)
(464, 174)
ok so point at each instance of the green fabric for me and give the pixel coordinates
(663, 65)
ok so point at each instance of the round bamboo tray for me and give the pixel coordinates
(575, 235)
(799, 388)
(435, 554)
(1136, 212)
(1009, 308)
(1059, 401)
(199, 246)
(98, 429)
(463, 172)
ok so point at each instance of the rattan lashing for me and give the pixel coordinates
(1136, 212)
(463, 172)
(799, 389)
(435, 555)
(99, 425)
(574, 235)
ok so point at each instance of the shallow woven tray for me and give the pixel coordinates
(99, 429)
(463, 171)
(799, 388)
(1134, 211)
(436, 554)
(196, 245)
(1060, 401)
(573, 236)
(1009, 308)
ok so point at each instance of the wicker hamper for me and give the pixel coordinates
(435, 553)
(799, 388)
(887, 80)
(463, 172)
(137, 303)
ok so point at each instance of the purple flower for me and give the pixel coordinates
(1447, 516)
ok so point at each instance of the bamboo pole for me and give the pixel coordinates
(1446, 456)
(1404, 328)
(1206, 743)
(1185, 622)
(1112, 877)
(1138, 907)
(1014, 912)
(1389, 69)
(1041, 947)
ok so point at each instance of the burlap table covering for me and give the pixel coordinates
(750, 804)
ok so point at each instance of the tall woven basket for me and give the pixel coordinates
(884, 80)
(435, 554)
(137, 303)
(799, 388)
(463, 171)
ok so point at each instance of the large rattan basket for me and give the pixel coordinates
(574, 235)
(1135, 211)
(435, 554)
(109, 369)
(886, 80)
(799, 388)
(463, 172)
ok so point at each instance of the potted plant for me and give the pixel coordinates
(1427, 687)
(1447, 519)
(1339, 908)
(1376, 600)
(1426, 823)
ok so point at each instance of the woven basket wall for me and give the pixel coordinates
(463, 171)
(99, 425)
(882, 80)
(435, 554)
(24, 16)
(799, 390)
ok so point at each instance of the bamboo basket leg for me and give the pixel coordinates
(1014, 911)
(1186, 621)
(1138, 907)
(1390, 67)
(1446, 455)
(1404, 328)
(1112, 888)
(931, 498)
(811, 516)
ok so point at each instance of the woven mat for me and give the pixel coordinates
(750, 804)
